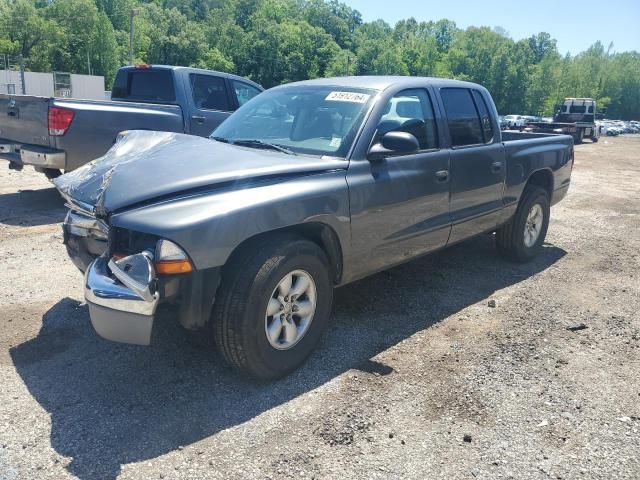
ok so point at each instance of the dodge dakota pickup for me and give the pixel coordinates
(306, 187)
(55, 134)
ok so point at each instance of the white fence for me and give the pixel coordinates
(36, 83)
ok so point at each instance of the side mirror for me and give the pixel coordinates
(394, 143)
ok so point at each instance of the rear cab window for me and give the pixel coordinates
(144, 85)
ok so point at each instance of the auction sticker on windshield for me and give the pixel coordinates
(353, 97)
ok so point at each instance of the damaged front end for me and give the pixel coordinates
(134, 275)
(122, 297)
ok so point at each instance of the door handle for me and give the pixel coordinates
(442, 176)
(496, 167)
(198, 119)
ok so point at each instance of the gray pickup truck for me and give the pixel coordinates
(55, 134)
(306, 187)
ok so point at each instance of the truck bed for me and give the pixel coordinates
(94, 128)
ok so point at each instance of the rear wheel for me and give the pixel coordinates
(273, 305)
(521, 239)
(578, 137)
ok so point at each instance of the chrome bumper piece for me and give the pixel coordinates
(85, 237)
(33, 155)
(117, 312)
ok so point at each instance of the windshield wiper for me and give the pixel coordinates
(248, 142)
(219, 139)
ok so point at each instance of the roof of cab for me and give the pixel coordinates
(382, 82)
(194, 70)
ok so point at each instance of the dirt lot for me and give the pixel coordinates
(418, 377)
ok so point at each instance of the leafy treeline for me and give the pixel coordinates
(276, 41)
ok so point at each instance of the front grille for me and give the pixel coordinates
(128, 242)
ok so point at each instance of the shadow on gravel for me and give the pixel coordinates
(113, 404)
(28, 208)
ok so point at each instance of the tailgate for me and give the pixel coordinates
(23, 119)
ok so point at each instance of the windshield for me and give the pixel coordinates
(307, 119)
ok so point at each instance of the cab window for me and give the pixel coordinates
(244, 92)
(410, 111)
(464, 122)
(209, 92)
(485, 119)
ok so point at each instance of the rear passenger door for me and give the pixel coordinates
(477, 163)
(211, 103)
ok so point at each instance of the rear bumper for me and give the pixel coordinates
(117, 312)
(35, 155)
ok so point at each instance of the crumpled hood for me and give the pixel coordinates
(144, 165)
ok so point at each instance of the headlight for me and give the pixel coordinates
(170, 259)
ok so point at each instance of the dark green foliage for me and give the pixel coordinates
(276, 41)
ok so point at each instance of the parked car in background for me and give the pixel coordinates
(306, 187)
(515, 122)
(503, 122)
(531, 118)
(608, 129)
(56, 134)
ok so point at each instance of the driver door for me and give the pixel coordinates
(400, 205)
(211, 103)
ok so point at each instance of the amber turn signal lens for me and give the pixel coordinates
(172, 267)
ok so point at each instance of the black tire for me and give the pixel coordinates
(249, 279)
(52, 173)
(510, 238)
(594, 139)
(578, 137)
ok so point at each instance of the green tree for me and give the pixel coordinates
(289, 51)
(104, 49)
(25, 30)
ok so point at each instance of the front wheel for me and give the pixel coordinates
(273, 305)
(521, 239)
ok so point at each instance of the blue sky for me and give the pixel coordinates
(574, 24)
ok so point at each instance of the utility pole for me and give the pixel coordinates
(21, 62)
(132, 14)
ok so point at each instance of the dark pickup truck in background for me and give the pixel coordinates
(575, 117)
(308, 186)
(57, 134)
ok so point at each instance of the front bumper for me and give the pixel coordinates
(117, 312)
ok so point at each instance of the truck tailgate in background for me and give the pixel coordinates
(24, 119)
(96, 124)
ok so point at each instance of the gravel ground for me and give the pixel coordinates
(457, 366)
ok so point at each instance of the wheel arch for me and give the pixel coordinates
(323, 235)
(542, 178)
